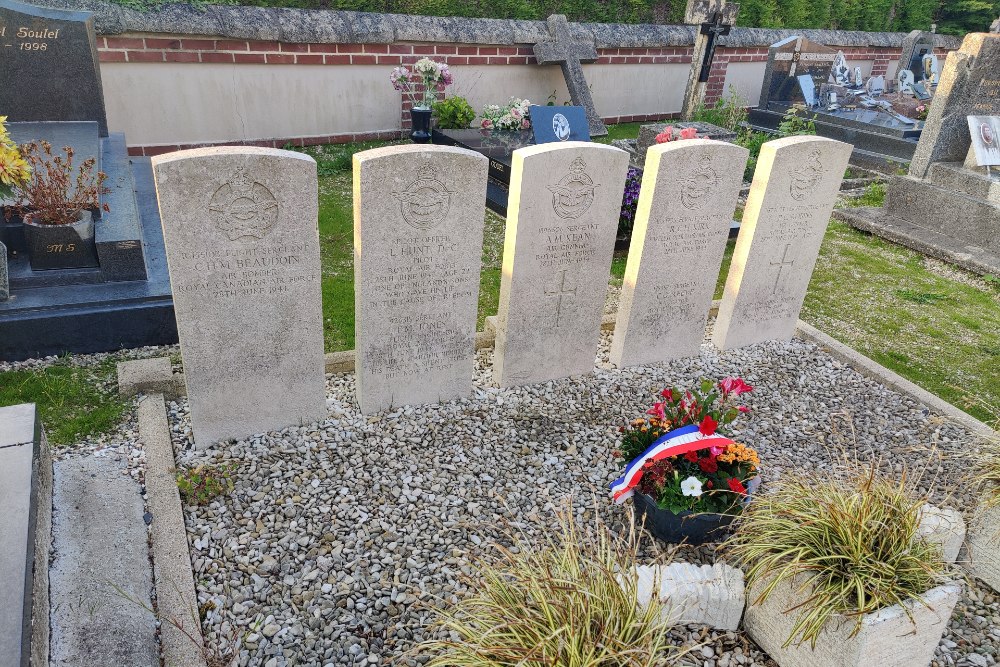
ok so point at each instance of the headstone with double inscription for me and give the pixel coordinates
(689, 191)
(50, 68)
(240, 228)
(794, 189)
(789, 59)
(561, 226)
(418, 238)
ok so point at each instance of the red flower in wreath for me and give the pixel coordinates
(708, 425)
(692, 457)
(734, 386)
(736, 486)
(708, 465)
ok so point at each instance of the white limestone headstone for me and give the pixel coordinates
(565, 201)
(418, 239)
(242, 242)
(794, 189)
(685, 209)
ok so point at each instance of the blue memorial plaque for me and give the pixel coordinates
(555, 124)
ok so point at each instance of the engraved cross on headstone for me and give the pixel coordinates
(567, 52)
(716, 19)
(781, 266)
(559, 293)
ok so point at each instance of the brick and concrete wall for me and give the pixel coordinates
(180, 77)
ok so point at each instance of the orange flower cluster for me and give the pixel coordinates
(740, 453)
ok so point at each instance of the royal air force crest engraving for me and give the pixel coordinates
(574, 193)
(807, 177)
(243, 208)
(699, 185)
(426, 201)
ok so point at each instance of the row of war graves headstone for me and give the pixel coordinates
(240, 226)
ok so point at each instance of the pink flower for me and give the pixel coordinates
(667, 394)
(717, 451)
(487, 124)
(666, 135)
(689, 133)
(734, 386)
(742, 408)
(525, 124)
(515, 112)
(657, 411)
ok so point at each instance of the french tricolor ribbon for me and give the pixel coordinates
(679, 441)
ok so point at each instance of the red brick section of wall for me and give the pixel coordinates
(141, 49)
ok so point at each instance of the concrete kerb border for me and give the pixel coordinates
(176, 601)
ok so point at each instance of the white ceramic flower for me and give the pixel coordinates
(691, 486)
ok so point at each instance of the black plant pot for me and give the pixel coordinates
(421, 117)
(12, 233)
(689, 527)
(61, 246)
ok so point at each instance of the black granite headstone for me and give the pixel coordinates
(916, 45)
(786, 61)
(48, 65)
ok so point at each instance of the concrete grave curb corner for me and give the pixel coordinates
(177, 601)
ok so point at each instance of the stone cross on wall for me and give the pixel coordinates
(716, 19)
(568, 52)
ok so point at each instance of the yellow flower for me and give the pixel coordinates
(14, 171)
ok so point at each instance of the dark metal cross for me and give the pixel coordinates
(714, 29)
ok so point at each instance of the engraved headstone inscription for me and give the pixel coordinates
(789, 59)
(689, 191)
(794, 189)
(916, 45)
(50, 69)
(841, 70)
(418, 238)
(240, 228)
(565, 200)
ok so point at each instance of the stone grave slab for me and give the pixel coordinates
(240, 228)
(561, 226)
(50, 66)
(689, 192)
(418, 236)
(794, 189)
(498, 147)
(569, 52)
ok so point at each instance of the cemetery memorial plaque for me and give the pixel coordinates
(794, 189)
(498, 147)
(689, 192)
(240, 227)
(984, 132)
(418, 238)
(50, 67)
(553, 124)
(560, 237)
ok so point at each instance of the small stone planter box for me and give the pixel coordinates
(984, 546)
(887, 638)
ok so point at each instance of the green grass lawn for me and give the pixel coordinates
(935, 325)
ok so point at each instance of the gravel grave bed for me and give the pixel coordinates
(340, 537)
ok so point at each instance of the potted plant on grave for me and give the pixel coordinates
(421, 87)
(14, 173)
(984, 531)
(511, 117)
(837, 572)
(57, 206)
(687, 479)
(453, 113)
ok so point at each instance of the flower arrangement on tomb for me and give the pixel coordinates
(669, 134)
(14, 169)
(59, 191)
(511, 116)
(679, 456)
(921, 111)
(421, 84)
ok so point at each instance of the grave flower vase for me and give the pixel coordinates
(888, 637)
(688, 527)
(421, 117)
(984, 545)
(69, 246)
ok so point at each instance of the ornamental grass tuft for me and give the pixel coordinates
(848, 544)
(987, 462)
(563, 603)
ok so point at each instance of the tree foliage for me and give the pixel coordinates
(955, 17)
